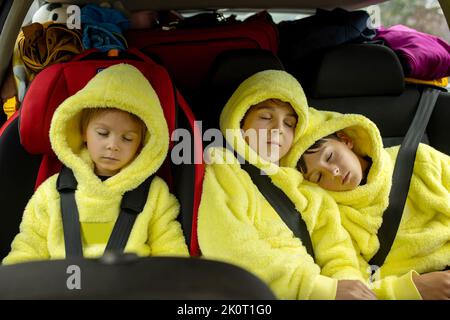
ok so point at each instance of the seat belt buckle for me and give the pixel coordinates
(374, 275)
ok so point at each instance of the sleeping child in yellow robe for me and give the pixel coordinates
(237, 224)
(113, 135)
(344, 154)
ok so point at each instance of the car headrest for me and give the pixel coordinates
(358, 70)
(60, 81)
(233, 67)
(228, 70)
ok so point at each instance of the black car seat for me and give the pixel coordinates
(227, 72)
(18, 172)
(368, 79)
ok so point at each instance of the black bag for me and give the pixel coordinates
(302, 41)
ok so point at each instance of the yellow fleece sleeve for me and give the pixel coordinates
(229, 229)
(397, 288)
(422, 240)
(31, 242)
(430, 182)
(325, 288)
(333, 248)
(165, 233)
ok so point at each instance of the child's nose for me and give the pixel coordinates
(113, 144)
(275, 133)
(334, 170)
(277, 125)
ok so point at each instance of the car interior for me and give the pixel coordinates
(194, 62)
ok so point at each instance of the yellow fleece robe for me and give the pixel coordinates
(237, 225)
(156, 231)
(423, 239)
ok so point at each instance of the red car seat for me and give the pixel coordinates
(30, 145)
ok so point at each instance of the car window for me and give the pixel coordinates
(278, 15)
(33, 8)
(423, 15)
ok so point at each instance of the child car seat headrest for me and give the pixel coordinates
(57, 82)
(358, 70)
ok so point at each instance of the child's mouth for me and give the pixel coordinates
(346, 178)
(110, 158)
(274, 143)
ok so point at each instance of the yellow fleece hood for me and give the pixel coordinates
(120, 86)
(322, 123)
(367, 142)
(268, 84)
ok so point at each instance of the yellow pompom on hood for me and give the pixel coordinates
(155, 231)
(423, 238)
(236, 223)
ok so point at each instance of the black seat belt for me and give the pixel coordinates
(281, 204)
(132, 204)
(66, 186)
(401, 177)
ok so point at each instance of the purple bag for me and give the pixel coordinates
(422, 55)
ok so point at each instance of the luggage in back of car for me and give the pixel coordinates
(188, 51)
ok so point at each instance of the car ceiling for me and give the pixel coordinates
(133, 5)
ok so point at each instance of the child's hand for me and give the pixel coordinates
(433, 285)
(353, 290)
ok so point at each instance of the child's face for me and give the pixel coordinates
(334, 166)
(273, 123)
(113, 139)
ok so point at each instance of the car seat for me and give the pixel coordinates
(18, 172)
(227, 72)
(368, 79)
(26, 157)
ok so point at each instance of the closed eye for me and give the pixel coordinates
(290, 125)
(290, 121)
(316, 177)
(329, 157)
(265, 115)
